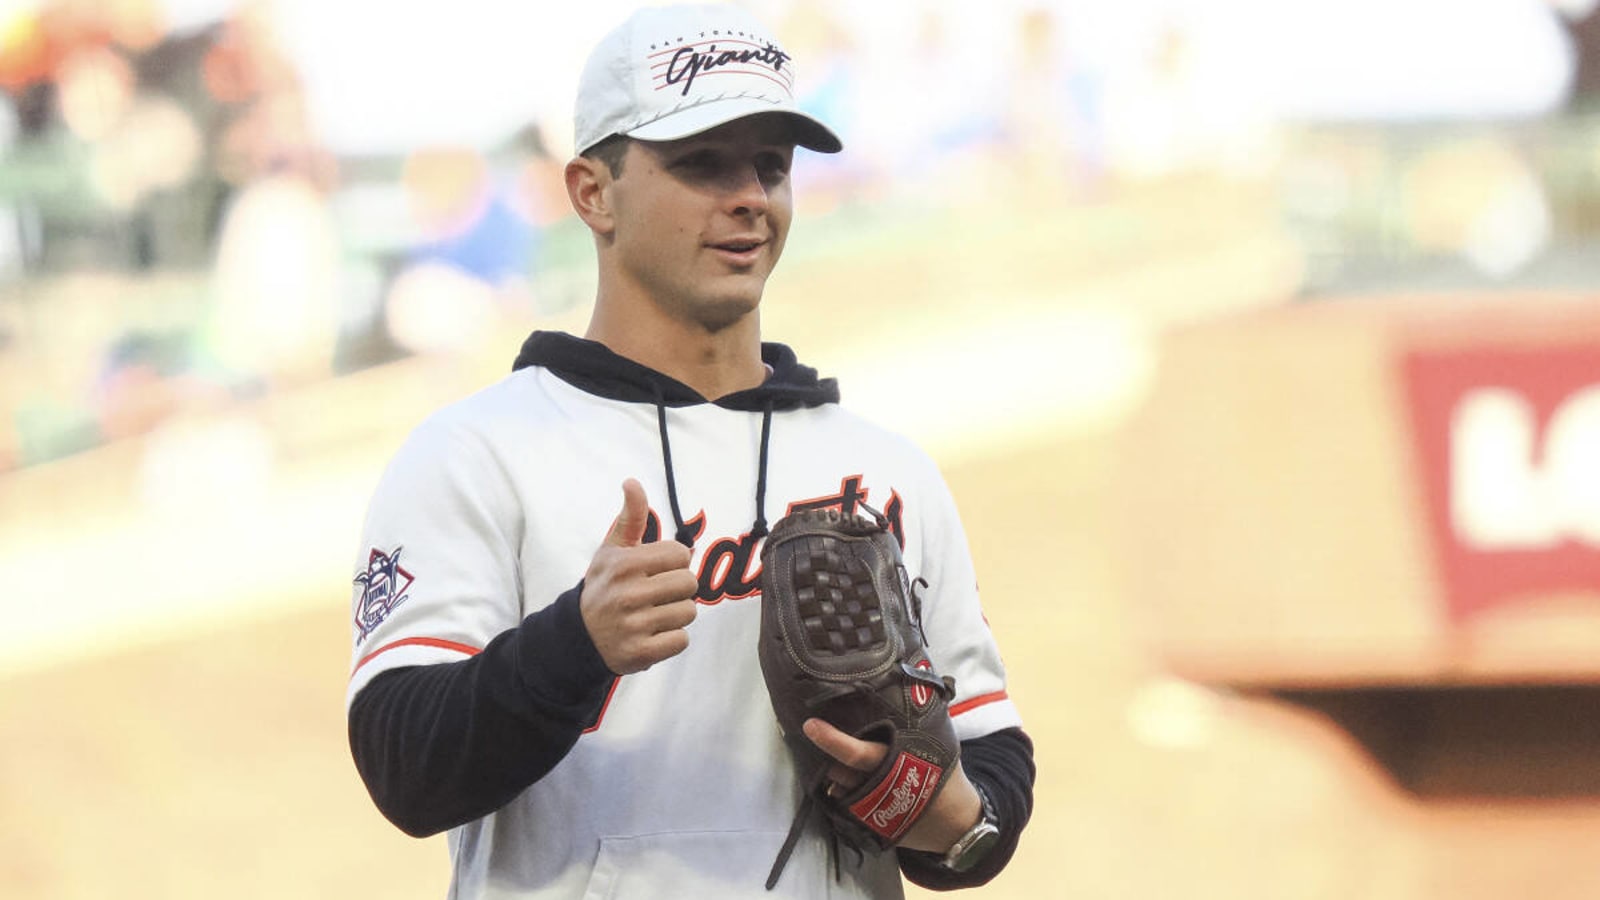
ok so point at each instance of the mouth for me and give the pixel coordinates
(739, 250)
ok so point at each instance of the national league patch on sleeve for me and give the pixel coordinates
(383, 587)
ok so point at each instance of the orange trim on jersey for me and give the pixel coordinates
(601, 715)
(975, 702)
(423, 641)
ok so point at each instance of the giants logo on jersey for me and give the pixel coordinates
(731, 567)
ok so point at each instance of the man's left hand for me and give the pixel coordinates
(951, 814)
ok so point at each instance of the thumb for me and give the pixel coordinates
(628, 529)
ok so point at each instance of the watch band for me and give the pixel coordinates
(979, 839)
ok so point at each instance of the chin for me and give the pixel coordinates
(720, 314)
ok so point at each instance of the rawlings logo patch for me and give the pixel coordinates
(383, 587)
(897, 802)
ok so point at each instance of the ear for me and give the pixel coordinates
(588, 189)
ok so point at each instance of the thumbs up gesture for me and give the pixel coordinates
(638, 598)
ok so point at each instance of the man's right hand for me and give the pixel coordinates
(638, 598)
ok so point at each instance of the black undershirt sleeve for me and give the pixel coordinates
(1001, 764)
(440, 745)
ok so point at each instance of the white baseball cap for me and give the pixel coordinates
(669, 72)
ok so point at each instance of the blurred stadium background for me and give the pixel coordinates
(1258, 341)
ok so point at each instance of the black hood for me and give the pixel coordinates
(592, 367)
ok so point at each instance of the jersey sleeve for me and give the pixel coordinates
(436, 577)
(960, 641)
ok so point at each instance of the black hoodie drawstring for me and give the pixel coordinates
(683, 535)
(759, 529)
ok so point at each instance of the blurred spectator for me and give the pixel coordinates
(1479, 200)
(470, 217)
(264, 125)
(539, 179)
(479, 224)
(37, 45)
(136, 389)
(1582, 21)
(275, 312)
(135, 134)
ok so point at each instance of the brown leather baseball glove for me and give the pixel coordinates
(841, 640)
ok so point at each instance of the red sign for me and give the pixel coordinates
(1508, 442)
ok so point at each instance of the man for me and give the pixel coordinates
(573, 691)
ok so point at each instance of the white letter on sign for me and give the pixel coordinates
(1494, 491)
(1572, 463)
(1501, 498)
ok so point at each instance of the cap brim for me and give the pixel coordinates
(808, 131)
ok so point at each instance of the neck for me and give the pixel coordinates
(714, 363)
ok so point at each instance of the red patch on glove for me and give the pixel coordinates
(898, 800)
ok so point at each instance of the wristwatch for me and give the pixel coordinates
(977, 842)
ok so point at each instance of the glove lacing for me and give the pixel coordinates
(808, 804)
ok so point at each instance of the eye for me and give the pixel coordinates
(772, 166)
(698, 161)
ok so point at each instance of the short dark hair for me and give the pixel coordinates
(611, 152)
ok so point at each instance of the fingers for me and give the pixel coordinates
(628, 528)
(853, 755)
(657, 635)
(648, 560)
(638, 598)
(641, 595)
(644, 621)
(667, 616)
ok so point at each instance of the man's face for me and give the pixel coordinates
(701, 222)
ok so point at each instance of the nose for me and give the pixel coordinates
(747, 194)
